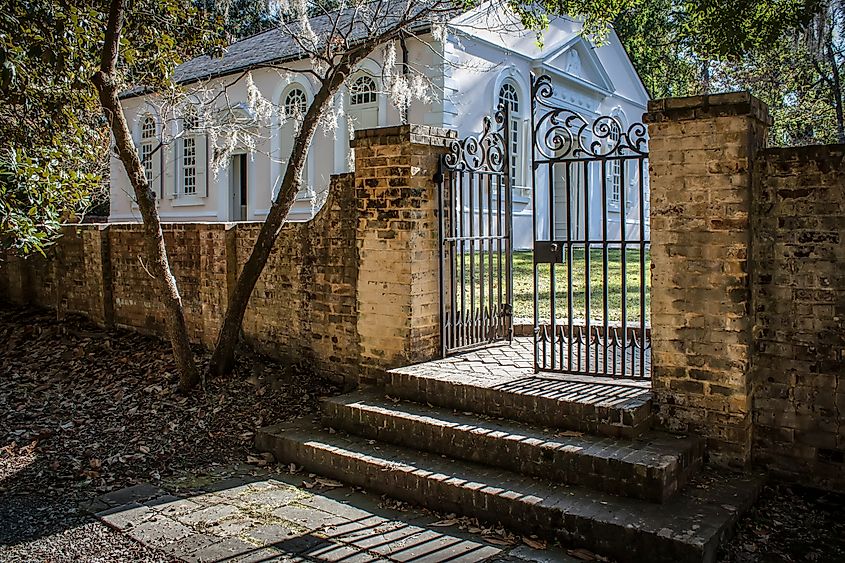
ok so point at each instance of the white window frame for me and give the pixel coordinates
(509, 95)
(189, 155)
(296, 114)
(148, 137)
(363, 98)
(614, 165)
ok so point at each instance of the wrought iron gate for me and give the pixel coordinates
(590, 177)
(475, 233)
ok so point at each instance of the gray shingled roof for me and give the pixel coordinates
(277, 45)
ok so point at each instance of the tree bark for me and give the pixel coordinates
(223, 358)
(106, 83)
(836, 87)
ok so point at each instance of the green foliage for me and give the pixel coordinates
(49, 112)
(731, 28)
(785, 77)
(775, 49)
(41, 188)
(650, 32)
(243, 17)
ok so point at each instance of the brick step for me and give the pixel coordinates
(601, 407)
(687, 528)
(653, 467)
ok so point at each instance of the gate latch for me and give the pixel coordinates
(548, 252)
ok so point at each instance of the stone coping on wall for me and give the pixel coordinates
(399, 134)
(707, 106)
(805, 153)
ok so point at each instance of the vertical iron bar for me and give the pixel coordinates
(623, 214)
(552, 273)
(604, 258)
(642, 268)
(441, 206)
(509, 232)
(532, 144)
(480, 336)
(499, 248)
(462, 250)
(471, 191)
(586, 183)
(453, 300)
(568, 186)
(491, 330)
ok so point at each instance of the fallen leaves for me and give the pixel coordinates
(84, 410)
(261, 460)
(321, 483)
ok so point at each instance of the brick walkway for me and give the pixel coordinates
(510, 367)
(276, 519)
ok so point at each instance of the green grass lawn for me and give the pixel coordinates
(523, 285)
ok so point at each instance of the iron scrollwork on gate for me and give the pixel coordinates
(475, 232)
(590, 177)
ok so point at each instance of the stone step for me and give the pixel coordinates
(602, 407)
(652, 467)
(687, 528)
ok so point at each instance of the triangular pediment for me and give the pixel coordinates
(577, 59)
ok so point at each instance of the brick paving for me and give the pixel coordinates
(509, 367)
(277, 519)
(499, 380)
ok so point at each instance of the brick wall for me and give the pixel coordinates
(354, 291)
(748, 288)
(398, 244)
(306, 296)
(701, 153)
(798, 284)
(304, 305)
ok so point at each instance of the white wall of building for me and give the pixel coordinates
(466, 75)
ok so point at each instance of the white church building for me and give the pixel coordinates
(477, 66)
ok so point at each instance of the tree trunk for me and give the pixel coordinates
(836, 87)
(223, 358)
(158, 264)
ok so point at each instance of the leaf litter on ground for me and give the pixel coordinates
(85, 411)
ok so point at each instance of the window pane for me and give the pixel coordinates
(189, 165)
(295, 103)
(363, 91)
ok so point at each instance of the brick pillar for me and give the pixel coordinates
(398, 247)
(701, 153)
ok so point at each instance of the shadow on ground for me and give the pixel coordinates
(84, 412)
(276, 518)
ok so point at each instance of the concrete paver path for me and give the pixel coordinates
(278, 519)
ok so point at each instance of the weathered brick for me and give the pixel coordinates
(799, 312)
(701, 155)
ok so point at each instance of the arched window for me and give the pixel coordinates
(295, 104)
(363, 91)
(189, 172)
(148, 136)
(614, 173)
(509, 98)
(363, 102)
